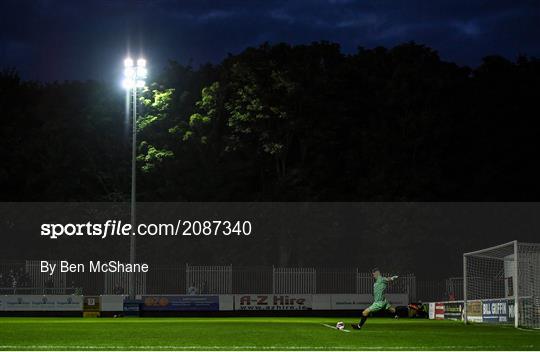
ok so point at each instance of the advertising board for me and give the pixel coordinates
(453, 310)
(91, 304)
(180, 303)
(351, 301)
(273, 302)
(474, 311)
(499, 311)
(226, 302)
(42, 303)
(439, 311)
(362, 301)
(112, 303)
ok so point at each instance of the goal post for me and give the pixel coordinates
(515, 284)
(528, 284)
(501, 284)
(465, 319)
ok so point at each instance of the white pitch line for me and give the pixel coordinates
(530, 330)
(254, 348)
(333, 327)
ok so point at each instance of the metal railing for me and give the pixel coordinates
(225, 279)
(209, 278)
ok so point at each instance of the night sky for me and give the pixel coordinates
(64, 40)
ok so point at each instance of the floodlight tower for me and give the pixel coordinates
(134, 78)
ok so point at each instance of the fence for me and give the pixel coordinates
(295, 280)
(209, 278)
(222, 279)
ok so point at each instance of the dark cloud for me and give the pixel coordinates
(68, 39)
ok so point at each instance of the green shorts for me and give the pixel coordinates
(380, 305)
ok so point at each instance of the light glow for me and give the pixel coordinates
(134, 76)
(129, 72)
(141, 72)
(128, 83)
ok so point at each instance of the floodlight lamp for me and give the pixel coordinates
(134, 73)
(129, 72)
(142, 72)
(128, 83)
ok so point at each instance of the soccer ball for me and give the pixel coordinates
(340, 325)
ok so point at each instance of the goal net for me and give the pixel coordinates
(501, 284)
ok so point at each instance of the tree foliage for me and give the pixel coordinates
(283, 123)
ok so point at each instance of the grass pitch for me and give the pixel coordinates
(256, 334)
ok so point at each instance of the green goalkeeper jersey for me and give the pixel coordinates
(378, 289)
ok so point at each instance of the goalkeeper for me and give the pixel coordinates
(379, 301)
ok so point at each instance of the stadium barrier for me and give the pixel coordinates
(496, 311)
(499, 311)
(311, 302)
(194, 303)
(263, 302)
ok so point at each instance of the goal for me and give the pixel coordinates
(501, 284)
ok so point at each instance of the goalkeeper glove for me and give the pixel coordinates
(394, 277)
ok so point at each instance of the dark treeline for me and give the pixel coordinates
(283, 123)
